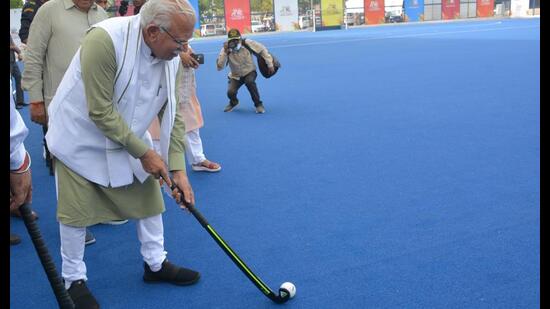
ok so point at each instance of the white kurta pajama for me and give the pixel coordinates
(190, 110)
(97, 132)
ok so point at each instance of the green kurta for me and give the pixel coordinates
(55, 35)
(83, 203)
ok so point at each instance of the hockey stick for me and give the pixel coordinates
(287, 289)
(61, 294)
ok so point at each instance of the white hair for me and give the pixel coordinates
(159, 12)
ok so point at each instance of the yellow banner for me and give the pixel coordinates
(332, 12)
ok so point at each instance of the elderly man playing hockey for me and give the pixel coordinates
(106, 169)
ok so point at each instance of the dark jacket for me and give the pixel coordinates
(27, 15)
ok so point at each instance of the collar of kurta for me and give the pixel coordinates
(69, 4)
(146, 51)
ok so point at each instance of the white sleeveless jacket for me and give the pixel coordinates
(73, 137)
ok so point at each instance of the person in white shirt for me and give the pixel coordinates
(190, 110)
(20, 163)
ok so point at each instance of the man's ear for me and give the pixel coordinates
(152, 31)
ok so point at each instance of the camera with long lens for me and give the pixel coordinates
(232, 44)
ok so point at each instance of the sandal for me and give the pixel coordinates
(206, 166)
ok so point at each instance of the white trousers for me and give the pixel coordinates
(150, 232)
(193, 147)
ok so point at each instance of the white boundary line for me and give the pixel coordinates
(399, 36)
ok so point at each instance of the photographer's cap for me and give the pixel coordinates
(233, 34)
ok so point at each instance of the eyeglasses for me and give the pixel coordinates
(181, 43)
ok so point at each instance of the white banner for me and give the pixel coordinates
(286, 15)
(519, 8)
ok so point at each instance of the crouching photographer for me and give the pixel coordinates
(243, 68)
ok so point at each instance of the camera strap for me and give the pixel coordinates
(248, 47)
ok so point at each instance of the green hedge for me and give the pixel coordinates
(16, 4)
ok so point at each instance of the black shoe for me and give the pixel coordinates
(81, 296)
(14, 239)
(230, 107)
(20, 105)
(260, 109)
(170, 273)
(90, 239)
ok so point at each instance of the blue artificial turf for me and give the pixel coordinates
(396, 167)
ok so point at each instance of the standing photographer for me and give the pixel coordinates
(243, 69)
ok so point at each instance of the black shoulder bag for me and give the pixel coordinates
(262, 64)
